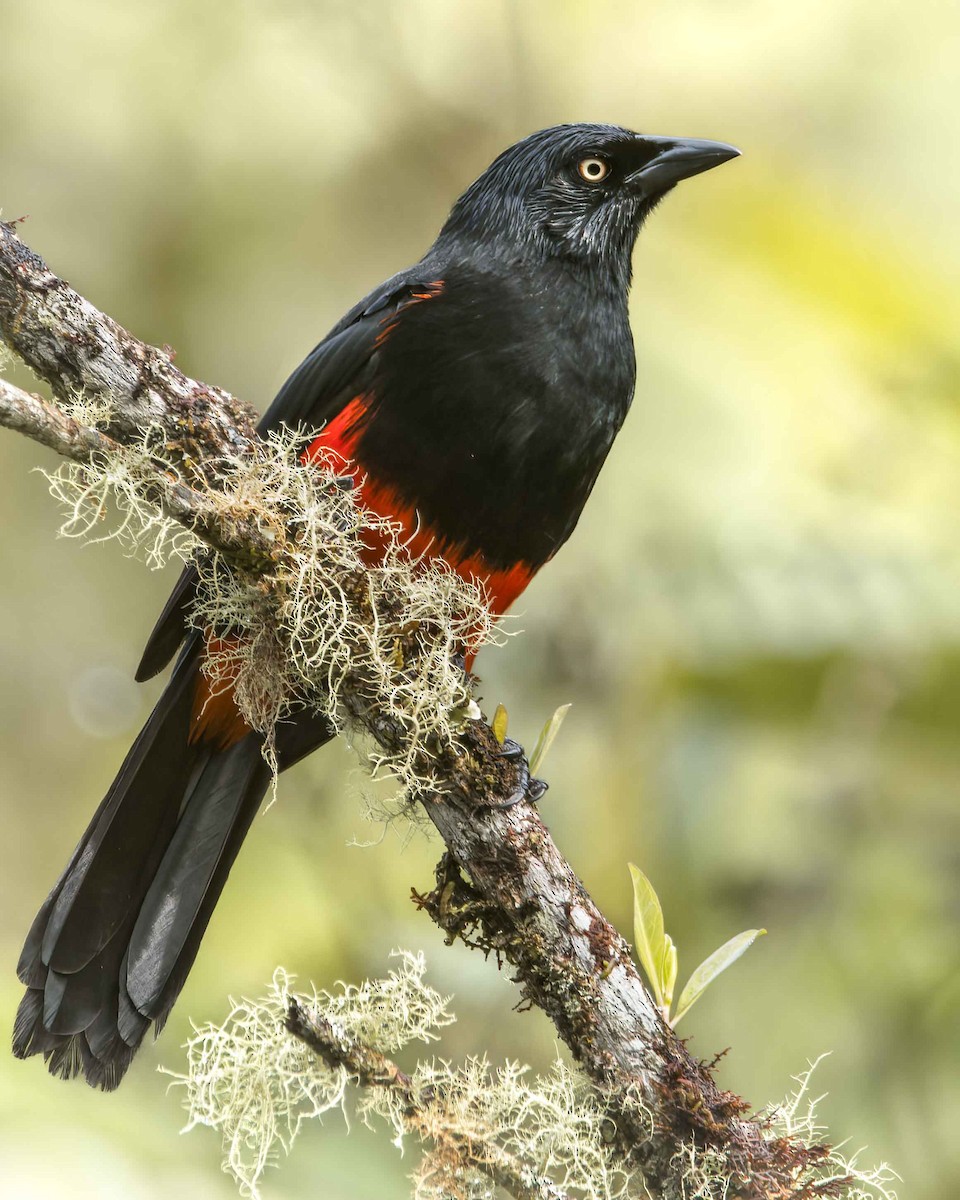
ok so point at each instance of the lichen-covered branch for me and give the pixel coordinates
(541, 1136)
(503, 885)
(371, 1069)
(45, 423)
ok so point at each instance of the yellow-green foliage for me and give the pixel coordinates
(659, 958)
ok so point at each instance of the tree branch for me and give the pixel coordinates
(503, 885)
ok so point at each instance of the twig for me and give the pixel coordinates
(371, 1069)
(36, 418)
(503, 885)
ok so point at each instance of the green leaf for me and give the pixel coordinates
(711, 967)
(499, 724)
(668, 970)
(648, 934)
(547, 735)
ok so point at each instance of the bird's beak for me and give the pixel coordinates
(674, 159)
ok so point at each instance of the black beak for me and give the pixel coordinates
(675, 159)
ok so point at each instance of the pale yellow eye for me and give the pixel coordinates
(593, 169)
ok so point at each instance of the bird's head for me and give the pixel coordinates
(576, 192)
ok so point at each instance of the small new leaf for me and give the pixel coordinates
(711, 967)
(648, 934)
(499, 724)
(546, 738)
(668, 970)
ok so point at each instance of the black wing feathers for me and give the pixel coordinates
(112, 945)
(170, 629)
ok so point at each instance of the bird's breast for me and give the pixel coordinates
(398, 505)
(485, 426)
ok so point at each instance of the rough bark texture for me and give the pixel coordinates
(77, 349)
(503, 885)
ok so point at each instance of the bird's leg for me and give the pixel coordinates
(527, 787)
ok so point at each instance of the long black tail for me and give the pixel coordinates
(112, 945)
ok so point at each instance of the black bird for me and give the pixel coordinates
(476, 396)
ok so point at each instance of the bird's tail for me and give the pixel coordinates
(112, 945)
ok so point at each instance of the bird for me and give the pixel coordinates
(474, 397)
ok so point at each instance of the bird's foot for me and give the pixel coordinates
(527, 787)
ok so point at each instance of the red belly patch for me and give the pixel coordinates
(341, 437)
(216, 718)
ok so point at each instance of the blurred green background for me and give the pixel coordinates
(758, 619)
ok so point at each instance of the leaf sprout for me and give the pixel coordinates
(658, 954)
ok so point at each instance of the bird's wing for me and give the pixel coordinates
(341, 367)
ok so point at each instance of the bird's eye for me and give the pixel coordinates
(593, 169)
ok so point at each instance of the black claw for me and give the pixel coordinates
(511, 749)
(513, 799)
(537, 789)
(527, 787)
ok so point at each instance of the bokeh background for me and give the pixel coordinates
(758, 619)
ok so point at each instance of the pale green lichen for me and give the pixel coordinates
(553, 1124)
(95, 412)
(256, 1084)
(324, 629)
(104, 501)
(796, 1118)
(330, 630)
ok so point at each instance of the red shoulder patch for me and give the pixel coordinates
(428, 291)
